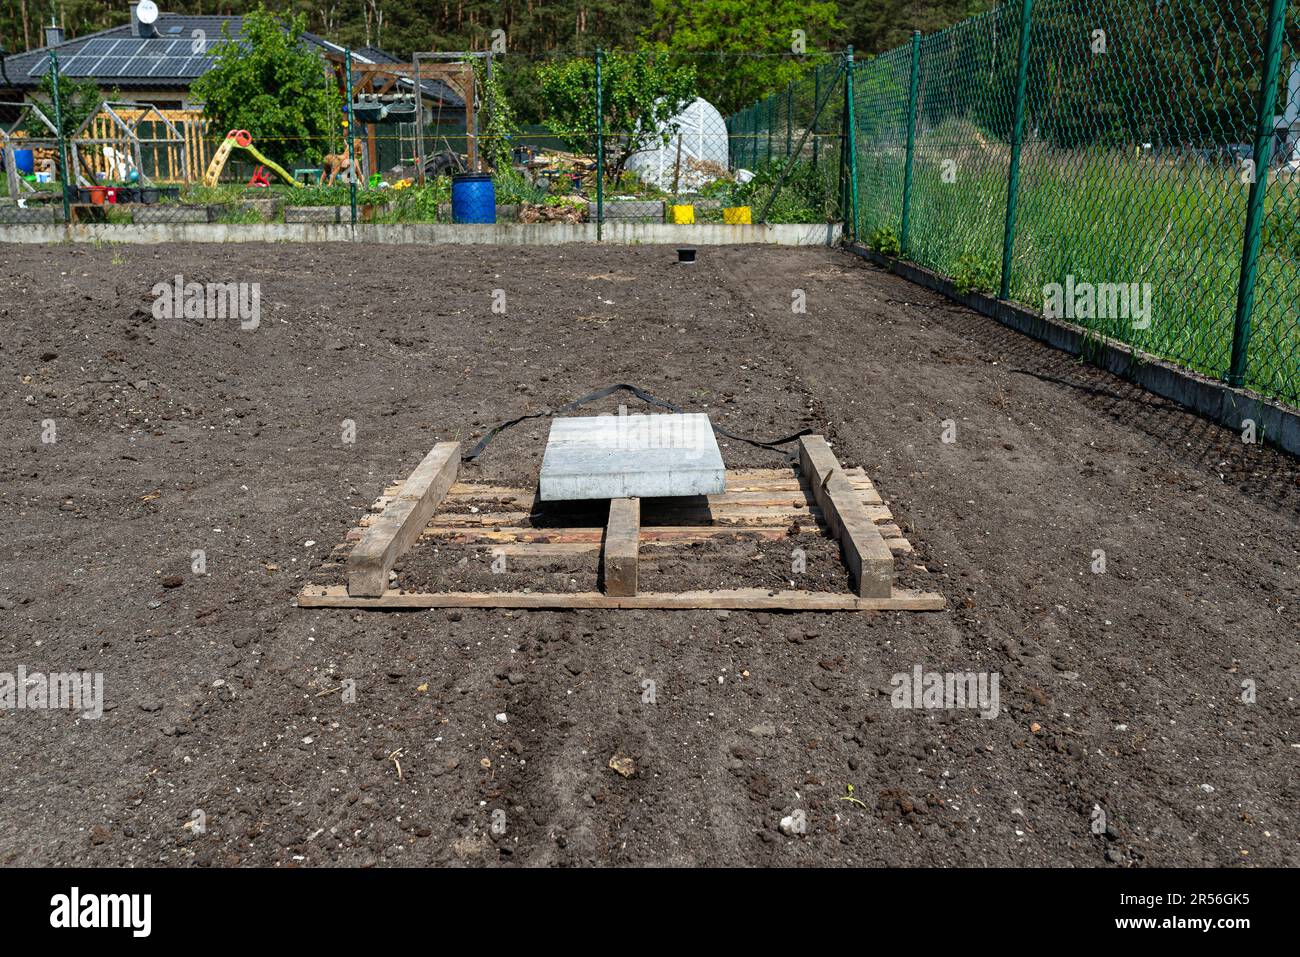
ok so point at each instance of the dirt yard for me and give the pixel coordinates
(226, 739)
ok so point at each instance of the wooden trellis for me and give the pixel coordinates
(115, 137)
(33, 130)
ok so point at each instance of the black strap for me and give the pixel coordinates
(641, 394)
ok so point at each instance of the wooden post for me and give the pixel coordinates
(622, 538)
(402, 520)
(869, 559)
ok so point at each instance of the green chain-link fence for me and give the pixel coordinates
(1131, 166)
(791, 144)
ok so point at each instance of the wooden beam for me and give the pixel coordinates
(868, 558)
(622, 537)
(578, 548)
(400, 524)
(755, 599)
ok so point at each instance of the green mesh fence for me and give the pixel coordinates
(1273, 359)
(964, 112)
(1131, 173)
(880, 96)
(1142, 132)
(791, 144)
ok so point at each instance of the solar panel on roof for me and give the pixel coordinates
(103, 66)
(96, 47)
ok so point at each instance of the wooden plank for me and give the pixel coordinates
(551, 549)
(393, 530)
(622, 537)
(650, 534)
(757, 599)
(657, 534)
(869, 559)
(738, 516)
(755, 494)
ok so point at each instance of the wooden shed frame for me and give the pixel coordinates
(11, 139)
(456, 69)
(125, 118)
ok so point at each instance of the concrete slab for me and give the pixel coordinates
(505, 234)
(631, 456)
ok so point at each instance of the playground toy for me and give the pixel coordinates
(244, 140)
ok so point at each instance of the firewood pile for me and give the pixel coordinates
(571, 212)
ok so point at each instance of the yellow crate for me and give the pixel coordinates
(682, 215)
(736, 215)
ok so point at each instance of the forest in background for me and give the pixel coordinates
(542, 27)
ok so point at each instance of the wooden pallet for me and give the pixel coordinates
(761, 504)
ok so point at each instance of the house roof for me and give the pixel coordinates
(173, 59)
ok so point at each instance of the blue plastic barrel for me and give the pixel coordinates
(25, 161)
(473, 198)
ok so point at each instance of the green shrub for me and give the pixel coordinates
(805, 196)
(511, 187)
(884, 241)
(974, 274)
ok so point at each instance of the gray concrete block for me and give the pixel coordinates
(634, 210)
(31, 214)
(631, 456)
(316, 214)
(506, 212)
(171, 213)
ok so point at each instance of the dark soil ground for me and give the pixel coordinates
(1121, 693)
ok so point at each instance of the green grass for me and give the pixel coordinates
(1106, 217)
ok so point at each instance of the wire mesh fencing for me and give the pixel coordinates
(1130, 166)
(786, 150)
(1127, 166)
(566, 138)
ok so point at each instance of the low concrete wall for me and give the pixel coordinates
(1274, 423)
(505, 234)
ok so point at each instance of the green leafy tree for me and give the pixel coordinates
(640, 94)
(502, 128)
(274, 86)
(746, 42)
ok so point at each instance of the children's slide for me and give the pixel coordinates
(244, 140)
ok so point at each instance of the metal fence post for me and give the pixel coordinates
(913, 93)
(352, 158)
(68, 174)
(1266, 103)
(600, 152)
(843, 174)
(771, 122)
(817, 96)
(1017, 134)
(789, 117)
(851, 142)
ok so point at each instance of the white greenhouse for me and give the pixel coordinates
(701, 138)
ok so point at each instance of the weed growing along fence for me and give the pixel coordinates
(1128, 166)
